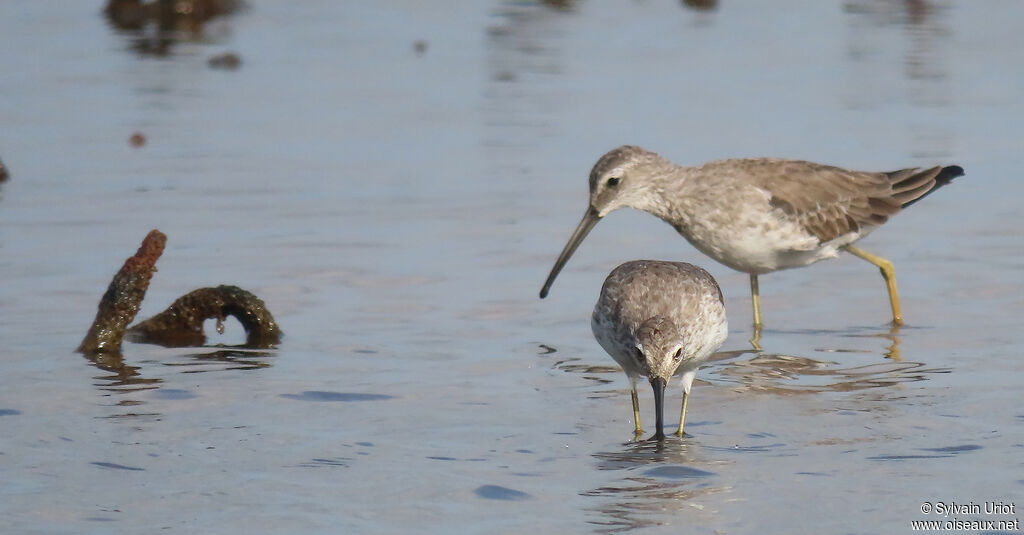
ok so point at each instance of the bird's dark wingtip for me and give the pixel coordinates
(947, 174)
(950, 172)
(943, 177)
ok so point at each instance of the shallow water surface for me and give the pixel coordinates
(395, 181)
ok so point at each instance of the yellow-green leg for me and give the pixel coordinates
(682, 415)
(755, 299)
(636, 413)
(889, 274)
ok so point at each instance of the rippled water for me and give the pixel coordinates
(394, 181)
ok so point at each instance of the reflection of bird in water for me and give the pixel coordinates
(757, 215)
(656, 318)
(790, 374)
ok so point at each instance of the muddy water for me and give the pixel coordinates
(398, 206)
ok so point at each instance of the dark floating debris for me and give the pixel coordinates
(560, 5)
(182, 323)
(176, 14)
(701, 5)
(154, 27)
(505, 76)
(228, 61)
(420, 46)
(120, 303)
(138, 139)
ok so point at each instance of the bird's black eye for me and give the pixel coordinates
(678, 354)
(639, 355)
(613, 181)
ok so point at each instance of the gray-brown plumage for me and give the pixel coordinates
(756, 215)
(830, 202)
(656, 319)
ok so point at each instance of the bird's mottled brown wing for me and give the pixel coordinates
(830, 201)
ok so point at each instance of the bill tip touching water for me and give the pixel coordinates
(658, 319)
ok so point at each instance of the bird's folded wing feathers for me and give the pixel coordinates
(830, 202)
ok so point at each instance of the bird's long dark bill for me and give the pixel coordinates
(658, 384)
(589, 220)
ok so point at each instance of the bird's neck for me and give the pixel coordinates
(665, 194)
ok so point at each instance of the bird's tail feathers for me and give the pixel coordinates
(912, 185)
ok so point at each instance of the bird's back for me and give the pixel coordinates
(641, 289)
(826, 200)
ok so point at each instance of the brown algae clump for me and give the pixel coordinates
(182, 323)
(120, 303)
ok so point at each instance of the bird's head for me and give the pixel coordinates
(659, 348)
(625, 176)
(622, 177)
(659, 352)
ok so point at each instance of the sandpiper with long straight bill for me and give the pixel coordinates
(757, 215)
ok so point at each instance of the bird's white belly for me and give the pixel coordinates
(758, 240)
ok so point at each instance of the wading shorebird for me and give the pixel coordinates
(757, 215)
(656, 318)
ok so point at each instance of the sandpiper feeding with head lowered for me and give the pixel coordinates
(656, 318)
(757, 215)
